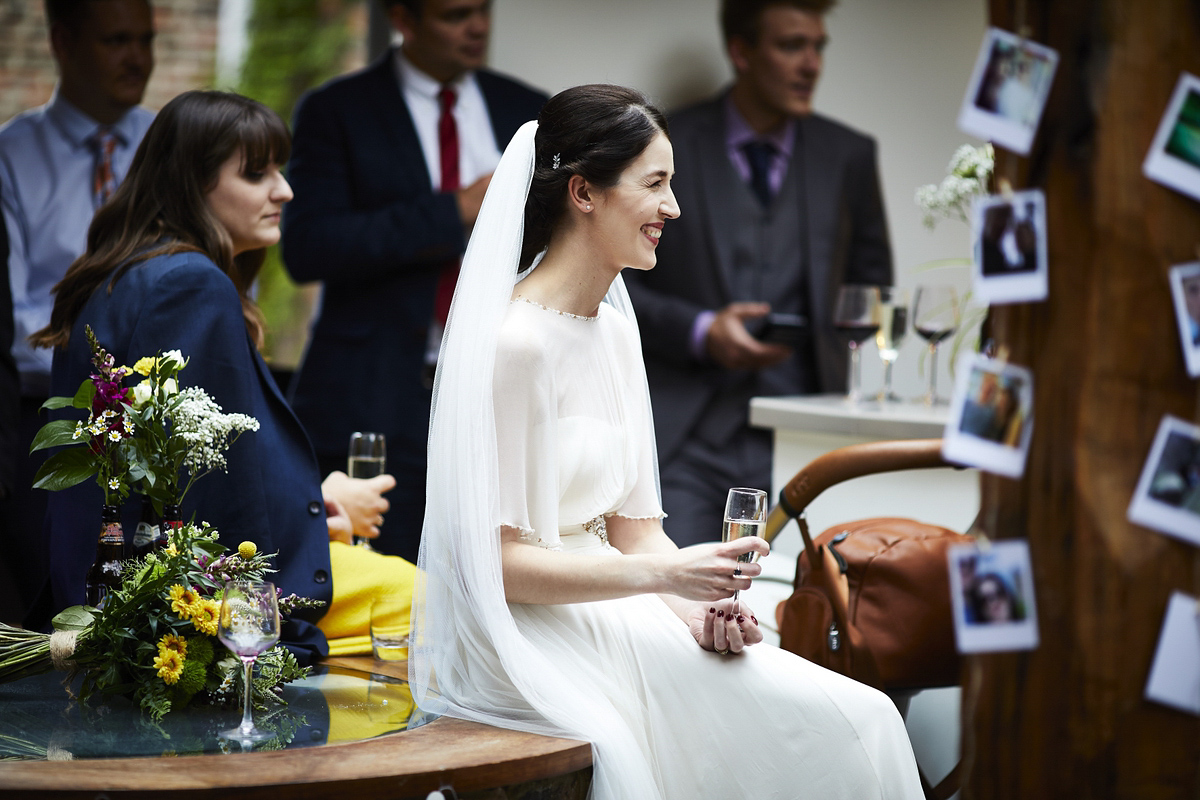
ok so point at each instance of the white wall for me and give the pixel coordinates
(896, 69)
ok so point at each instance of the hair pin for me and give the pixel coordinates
(556, 161)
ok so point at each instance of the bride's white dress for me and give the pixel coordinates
(668, 719)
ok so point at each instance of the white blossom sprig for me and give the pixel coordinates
(967, 177)
(206, 432)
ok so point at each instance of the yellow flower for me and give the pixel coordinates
(144, 365)
(175, 644)
(169, 665)
(205, 614)
(247, 550)
(171, 549)
(184, 602)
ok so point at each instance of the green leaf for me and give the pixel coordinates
(57, 433)
(64, 469)
(60, 402)
(75, 618)
(83, 398)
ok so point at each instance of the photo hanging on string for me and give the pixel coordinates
(1008, 90)
(1174, 678)
(1010, 247)
(991, 416)
(1167, 497)
(1174, 157)
(991, 592)
(1185, 291)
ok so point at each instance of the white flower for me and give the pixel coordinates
(142, 394)
(170, 386)
(114, 484)
(78, 430)
(206, 431)
(114, 436)
(967, 178)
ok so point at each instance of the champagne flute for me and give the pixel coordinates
(856, 318)
(248, 626)
(936, 316)
(745, 515)
(368, 458)
(893, 325)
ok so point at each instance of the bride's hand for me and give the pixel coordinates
(708, 572)
(716, 629)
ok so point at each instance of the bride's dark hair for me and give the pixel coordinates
(594, 131)
(160, 207)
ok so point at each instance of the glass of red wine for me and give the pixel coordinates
(856, 317)
(937, 314)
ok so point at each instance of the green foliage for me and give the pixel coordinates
(294, 45)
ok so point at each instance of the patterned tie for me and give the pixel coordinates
(448, 151)
(104, 183)
(759, 154)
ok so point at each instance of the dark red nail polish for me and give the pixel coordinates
(741, 619)
(754, 618)
(712, 610)
(720, 613)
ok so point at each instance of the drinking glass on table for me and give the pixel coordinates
(745, 515)
(248, 625)
(893, 325)
(937, 314)
(856, 317)
(368, 459)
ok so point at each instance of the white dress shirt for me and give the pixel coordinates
(47, 169)
(478, 153)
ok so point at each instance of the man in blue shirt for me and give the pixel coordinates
(58, 164)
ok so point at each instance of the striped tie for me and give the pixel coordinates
(104, 182)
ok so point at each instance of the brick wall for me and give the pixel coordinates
(185, 52)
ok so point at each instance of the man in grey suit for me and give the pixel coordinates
(780, 207)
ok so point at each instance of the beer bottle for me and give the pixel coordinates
(147, 530)
(105, 573)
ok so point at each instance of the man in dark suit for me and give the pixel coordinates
(780, 207)
(389, 167)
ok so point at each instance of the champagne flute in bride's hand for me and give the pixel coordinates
(745, 515)
(368, 459)
(248, 625)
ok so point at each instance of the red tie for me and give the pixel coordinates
(104, 183)
(448, 149)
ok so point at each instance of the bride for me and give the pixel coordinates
(549, 599)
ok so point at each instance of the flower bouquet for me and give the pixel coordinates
(152, 636)
(155, 639)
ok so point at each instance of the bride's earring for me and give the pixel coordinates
(588, 207)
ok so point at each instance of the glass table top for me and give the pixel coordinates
(335, 704)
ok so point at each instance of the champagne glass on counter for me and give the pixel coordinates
(368, 459)
(745, 515)
(248, 625)
(856, 317)
(893, 326)
(937, 314)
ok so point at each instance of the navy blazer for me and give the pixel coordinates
(366, 221)
(271, 493)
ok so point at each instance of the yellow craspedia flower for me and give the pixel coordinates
(144, 365)
(205, 614)
(183, 601)
(169, 666)
(176, 644)
(247, 550)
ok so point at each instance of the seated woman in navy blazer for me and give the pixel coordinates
(169, 265)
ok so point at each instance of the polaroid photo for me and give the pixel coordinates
(1008, 90)
(991, 416)
(1174, 157)
(991, 592)
(1185, 291)
(1010, 247)
(1167, 497)
(1175, 674)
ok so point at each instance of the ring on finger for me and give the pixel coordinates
(737, 571)
(724, 652)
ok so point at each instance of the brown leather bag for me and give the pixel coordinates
(876, 604)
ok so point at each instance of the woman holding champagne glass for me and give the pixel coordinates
(549, 598)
